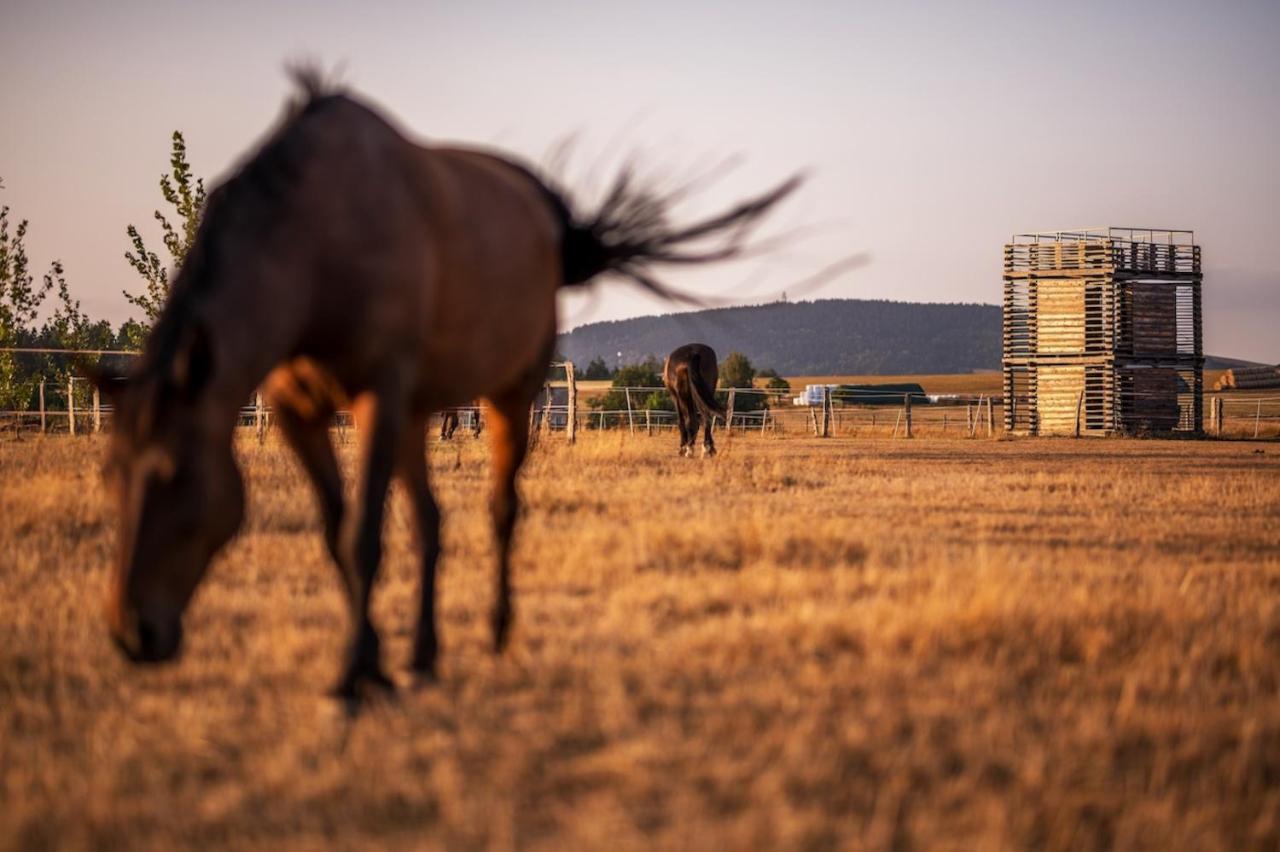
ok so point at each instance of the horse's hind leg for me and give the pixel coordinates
(509, 439)
(708, 443)
(381, 419)
(682, 420)
(413, 473)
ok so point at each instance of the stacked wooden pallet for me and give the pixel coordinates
(1249, 377)
(1102, 332)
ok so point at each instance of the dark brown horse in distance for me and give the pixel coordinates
(451, 417)
(690, 374)
(343, 264)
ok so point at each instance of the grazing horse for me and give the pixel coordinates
(450, 419)
(344, 264)
(690, 375)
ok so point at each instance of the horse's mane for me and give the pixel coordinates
(255, 187)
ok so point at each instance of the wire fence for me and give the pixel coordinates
(74, 407)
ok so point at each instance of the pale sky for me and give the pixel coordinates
(931, 131)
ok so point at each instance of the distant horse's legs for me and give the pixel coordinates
(708, 443)
(509, 439)
(448, 423)
(681, 420)
(381, 419)
(413, 473)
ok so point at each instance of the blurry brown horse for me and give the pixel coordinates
(690, 375)
(343, 263)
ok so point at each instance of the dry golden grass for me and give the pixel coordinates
(799, 644)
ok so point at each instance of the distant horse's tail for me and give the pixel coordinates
(703, 396)
(630, 233)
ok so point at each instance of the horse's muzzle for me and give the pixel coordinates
(149, 641)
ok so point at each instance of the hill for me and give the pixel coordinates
(824, 337)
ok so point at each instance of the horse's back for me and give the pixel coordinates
(441, 261)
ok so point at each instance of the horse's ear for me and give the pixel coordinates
(193, 364)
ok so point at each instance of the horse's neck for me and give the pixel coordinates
(249, 347)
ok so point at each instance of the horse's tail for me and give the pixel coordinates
(630, 233)
(703, 396)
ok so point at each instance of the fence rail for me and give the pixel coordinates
(74, 407)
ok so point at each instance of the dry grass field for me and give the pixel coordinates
(799, 644)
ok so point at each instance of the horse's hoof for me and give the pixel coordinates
(708, 452)
(360, 685)
(423, 678)
(423, 666)
(501, 629)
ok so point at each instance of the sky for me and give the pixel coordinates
(929, 132)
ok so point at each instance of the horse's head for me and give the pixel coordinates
(172, 474)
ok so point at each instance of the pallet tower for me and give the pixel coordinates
(1102, 332)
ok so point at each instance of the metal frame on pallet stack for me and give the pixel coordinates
(1102, 332)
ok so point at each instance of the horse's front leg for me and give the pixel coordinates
(413, 473)
(509, 439)
(381, 419)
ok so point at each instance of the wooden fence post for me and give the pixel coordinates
(991, 417)
(571, 425)
(968, 417)
(97, 411)
(648, 422)
(42, 406)
(631, 420)
(728, 420)
(259, 417)
(1079, 408)
(1257, 418)
(546, 409)
(71, 406)
(906, 413)
(826, 412)
(1217, 417)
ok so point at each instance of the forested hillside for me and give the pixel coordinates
(825, 337)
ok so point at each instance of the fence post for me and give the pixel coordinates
(259, 417)
(571, 426)
(728, 420)
(968, 417)
(42, 406)
(906, 413)
(648, 422)
(1257, 419)
(97, 411)
(1217, 415)
(546, 409)
(826, 412)
(71, 406)
(631, 420)
(991, 417)
(1079, 408)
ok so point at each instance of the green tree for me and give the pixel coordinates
(597, 370)
(20, 300)
(185, 194)
(736, 372)
(643, 375)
